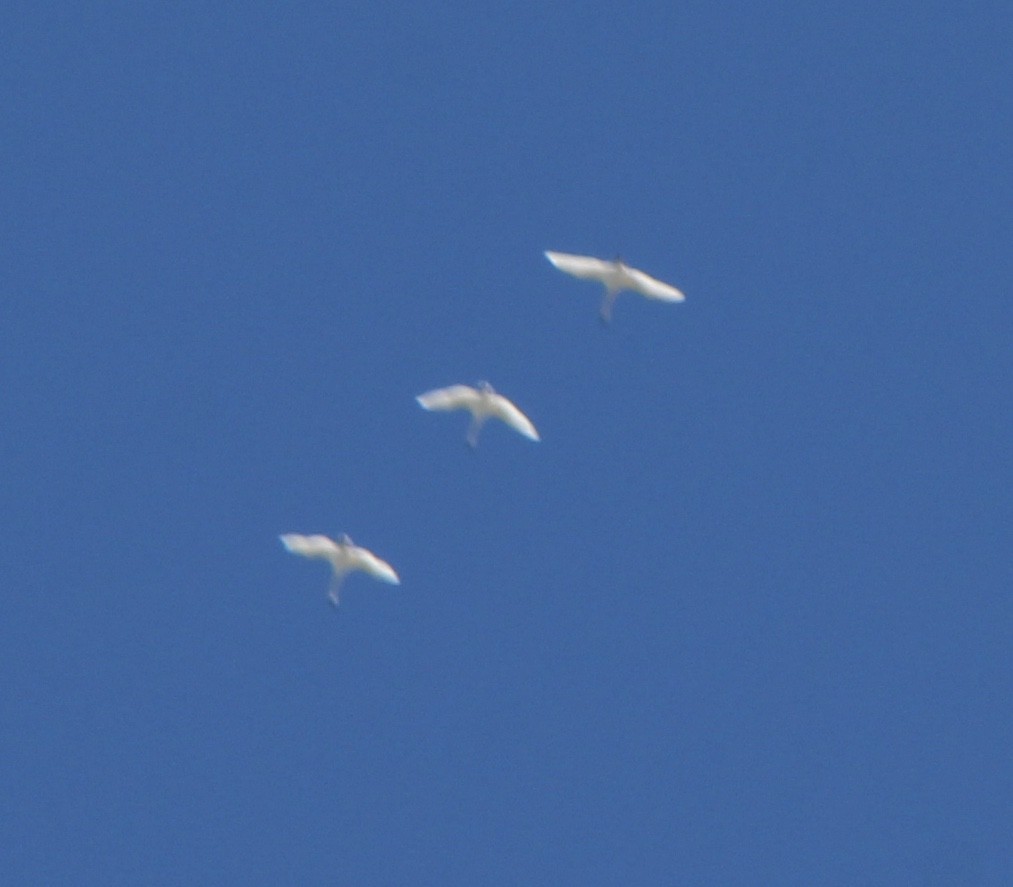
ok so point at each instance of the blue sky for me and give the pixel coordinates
(743, 616)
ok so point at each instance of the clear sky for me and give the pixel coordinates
(743, 617)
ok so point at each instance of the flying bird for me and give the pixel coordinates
(483, 403)
(344, 557)
(615, 276)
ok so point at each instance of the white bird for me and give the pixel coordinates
(344, 557)
(616, 276)
(482, 402)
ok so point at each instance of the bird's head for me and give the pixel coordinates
(485, 387)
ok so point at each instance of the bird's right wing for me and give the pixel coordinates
(456, 397)
(369, 563)
(513, 417)
(654, 289)
(585, 267)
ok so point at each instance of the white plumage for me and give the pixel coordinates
(483, 403)
(615, 277)
(344, 557)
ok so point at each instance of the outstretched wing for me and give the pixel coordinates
(309, 546)
(585, 267)
(365, 560)
(653, 289)
(507, 412)
(456, 397)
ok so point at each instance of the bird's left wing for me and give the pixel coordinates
(309, 546)
(585, 267)
(456, 397)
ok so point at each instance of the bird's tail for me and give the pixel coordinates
(606, 305)
(334, 590)
(473, 429)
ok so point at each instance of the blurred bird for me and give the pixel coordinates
(344, 557)
(616, 277)
(483, 403)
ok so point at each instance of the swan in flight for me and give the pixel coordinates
(344, 557)
(482, 402)
(616, 277)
